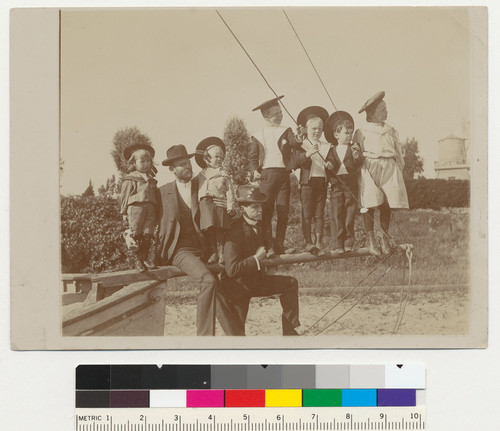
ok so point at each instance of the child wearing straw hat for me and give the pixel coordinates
(139, 200)
(215, 194)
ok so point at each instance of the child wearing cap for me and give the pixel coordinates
(216, 196)
(139, 199)
(344, 180)
(381, 183)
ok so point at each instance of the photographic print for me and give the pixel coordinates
(256, 177)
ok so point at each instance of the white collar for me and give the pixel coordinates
(252, 223)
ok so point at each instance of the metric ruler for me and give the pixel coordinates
(250, 419)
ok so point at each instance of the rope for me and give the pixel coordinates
(358, 301)
(409, 257)
(347, 294)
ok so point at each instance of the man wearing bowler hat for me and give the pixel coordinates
(244, 277)
(179, 236)
(271, 160)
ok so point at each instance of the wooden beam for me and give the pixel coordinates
(163, 273)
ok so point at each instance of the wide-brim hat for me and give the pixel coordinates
(372, 100)
(330, 125)
(128, 151)
(268, 103)
(249, 194)
(174, 153)
(311, 112)
(199, 154)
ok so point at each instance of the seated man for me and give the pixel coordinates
(243, 277)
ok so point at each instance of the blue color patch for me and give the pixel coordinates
(359, 397)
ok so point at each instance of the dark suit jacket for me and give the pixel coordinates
(305, 163)
(240, 245)
(256, 152)
(351, 164)
(169, 227)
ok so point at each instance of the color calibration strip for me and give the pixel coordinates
(247, 398)
(120, 386)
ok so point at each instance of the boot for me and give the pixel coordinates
(137, 258)
(371, 244)
(144, 247)
(385, 245)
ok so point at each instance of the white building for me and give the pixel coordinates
(452, 163)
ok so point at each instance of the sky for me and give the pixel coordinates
(179, 75)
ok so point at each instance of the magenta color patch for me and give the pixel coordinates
(205, 398)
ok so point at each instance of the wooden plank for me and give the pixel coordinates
(163, 273)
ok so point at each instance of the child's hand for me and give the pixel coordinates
(314, 148)
(356, 150)
(256, 175)
(260, 253)
(329, 166)
(301, 133)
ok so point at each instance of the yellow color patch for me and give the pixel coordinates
(283, 398)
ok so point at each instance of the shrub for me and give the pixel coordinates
(438, 193)
(91, 235)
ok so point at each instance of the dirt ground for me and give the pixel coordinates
(427, 312)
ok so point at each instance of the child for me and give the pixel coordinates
(216, 196)
(344, 183)
(381, 183)
(315, 159)
(139, 202)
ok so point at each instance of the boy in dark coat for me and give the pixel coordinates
(344, 182)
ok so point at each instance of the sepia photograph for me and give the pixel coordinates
(274, 177)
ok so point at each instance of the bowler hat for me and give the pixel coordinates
(199, 154)
(128, 151)
(332, 122)
(176, 152)
(311, 112)
(268, 103)
(372, 100)
(249, 194)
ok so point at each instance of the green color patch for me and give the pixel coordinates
(321, 397)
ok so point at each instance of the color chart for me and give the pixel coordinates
(224, 397)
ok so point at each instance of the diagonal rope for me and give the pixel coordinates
(346, 295)
(409, 256)
(359, 300)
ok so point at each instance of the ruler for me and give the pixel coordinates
(250, 419)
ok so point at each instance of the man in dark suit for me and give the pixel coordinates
(179, 241)
(243, 277)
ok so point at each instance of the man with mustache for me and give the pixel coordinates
(179, 241)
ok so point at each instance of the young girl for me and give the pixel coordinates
(139, 202)
(344, 183)
(216, 196)
(381, 182)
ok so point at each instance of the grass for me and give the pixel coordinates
(440, 255)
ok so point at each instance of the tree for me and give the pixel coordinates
(89, 191)
(237, 143)
(111, 189)
(414, 164)
(123, 138)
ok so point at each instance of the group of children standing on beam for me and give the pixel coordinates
(364, 170)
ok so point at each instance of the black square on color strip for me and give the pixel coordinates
(92, 399)
(193, 376)
(126, 376)
(93, 377)
(159, 378)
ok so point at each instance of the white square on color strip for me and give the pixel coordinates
(409, 376)
(420, 397)
(167, 398)
(367, 376)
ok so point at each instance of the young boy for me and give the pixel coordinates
(139, 201)
(344, 183)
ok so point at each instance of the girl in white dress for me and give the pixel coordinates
(381, 183)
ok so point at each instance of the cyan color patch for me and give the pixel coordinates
(359, 398)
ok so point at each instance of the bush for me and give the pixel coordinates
(91, 235)
(438, 193)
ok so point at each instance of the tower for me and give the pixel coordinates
(452, 163)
